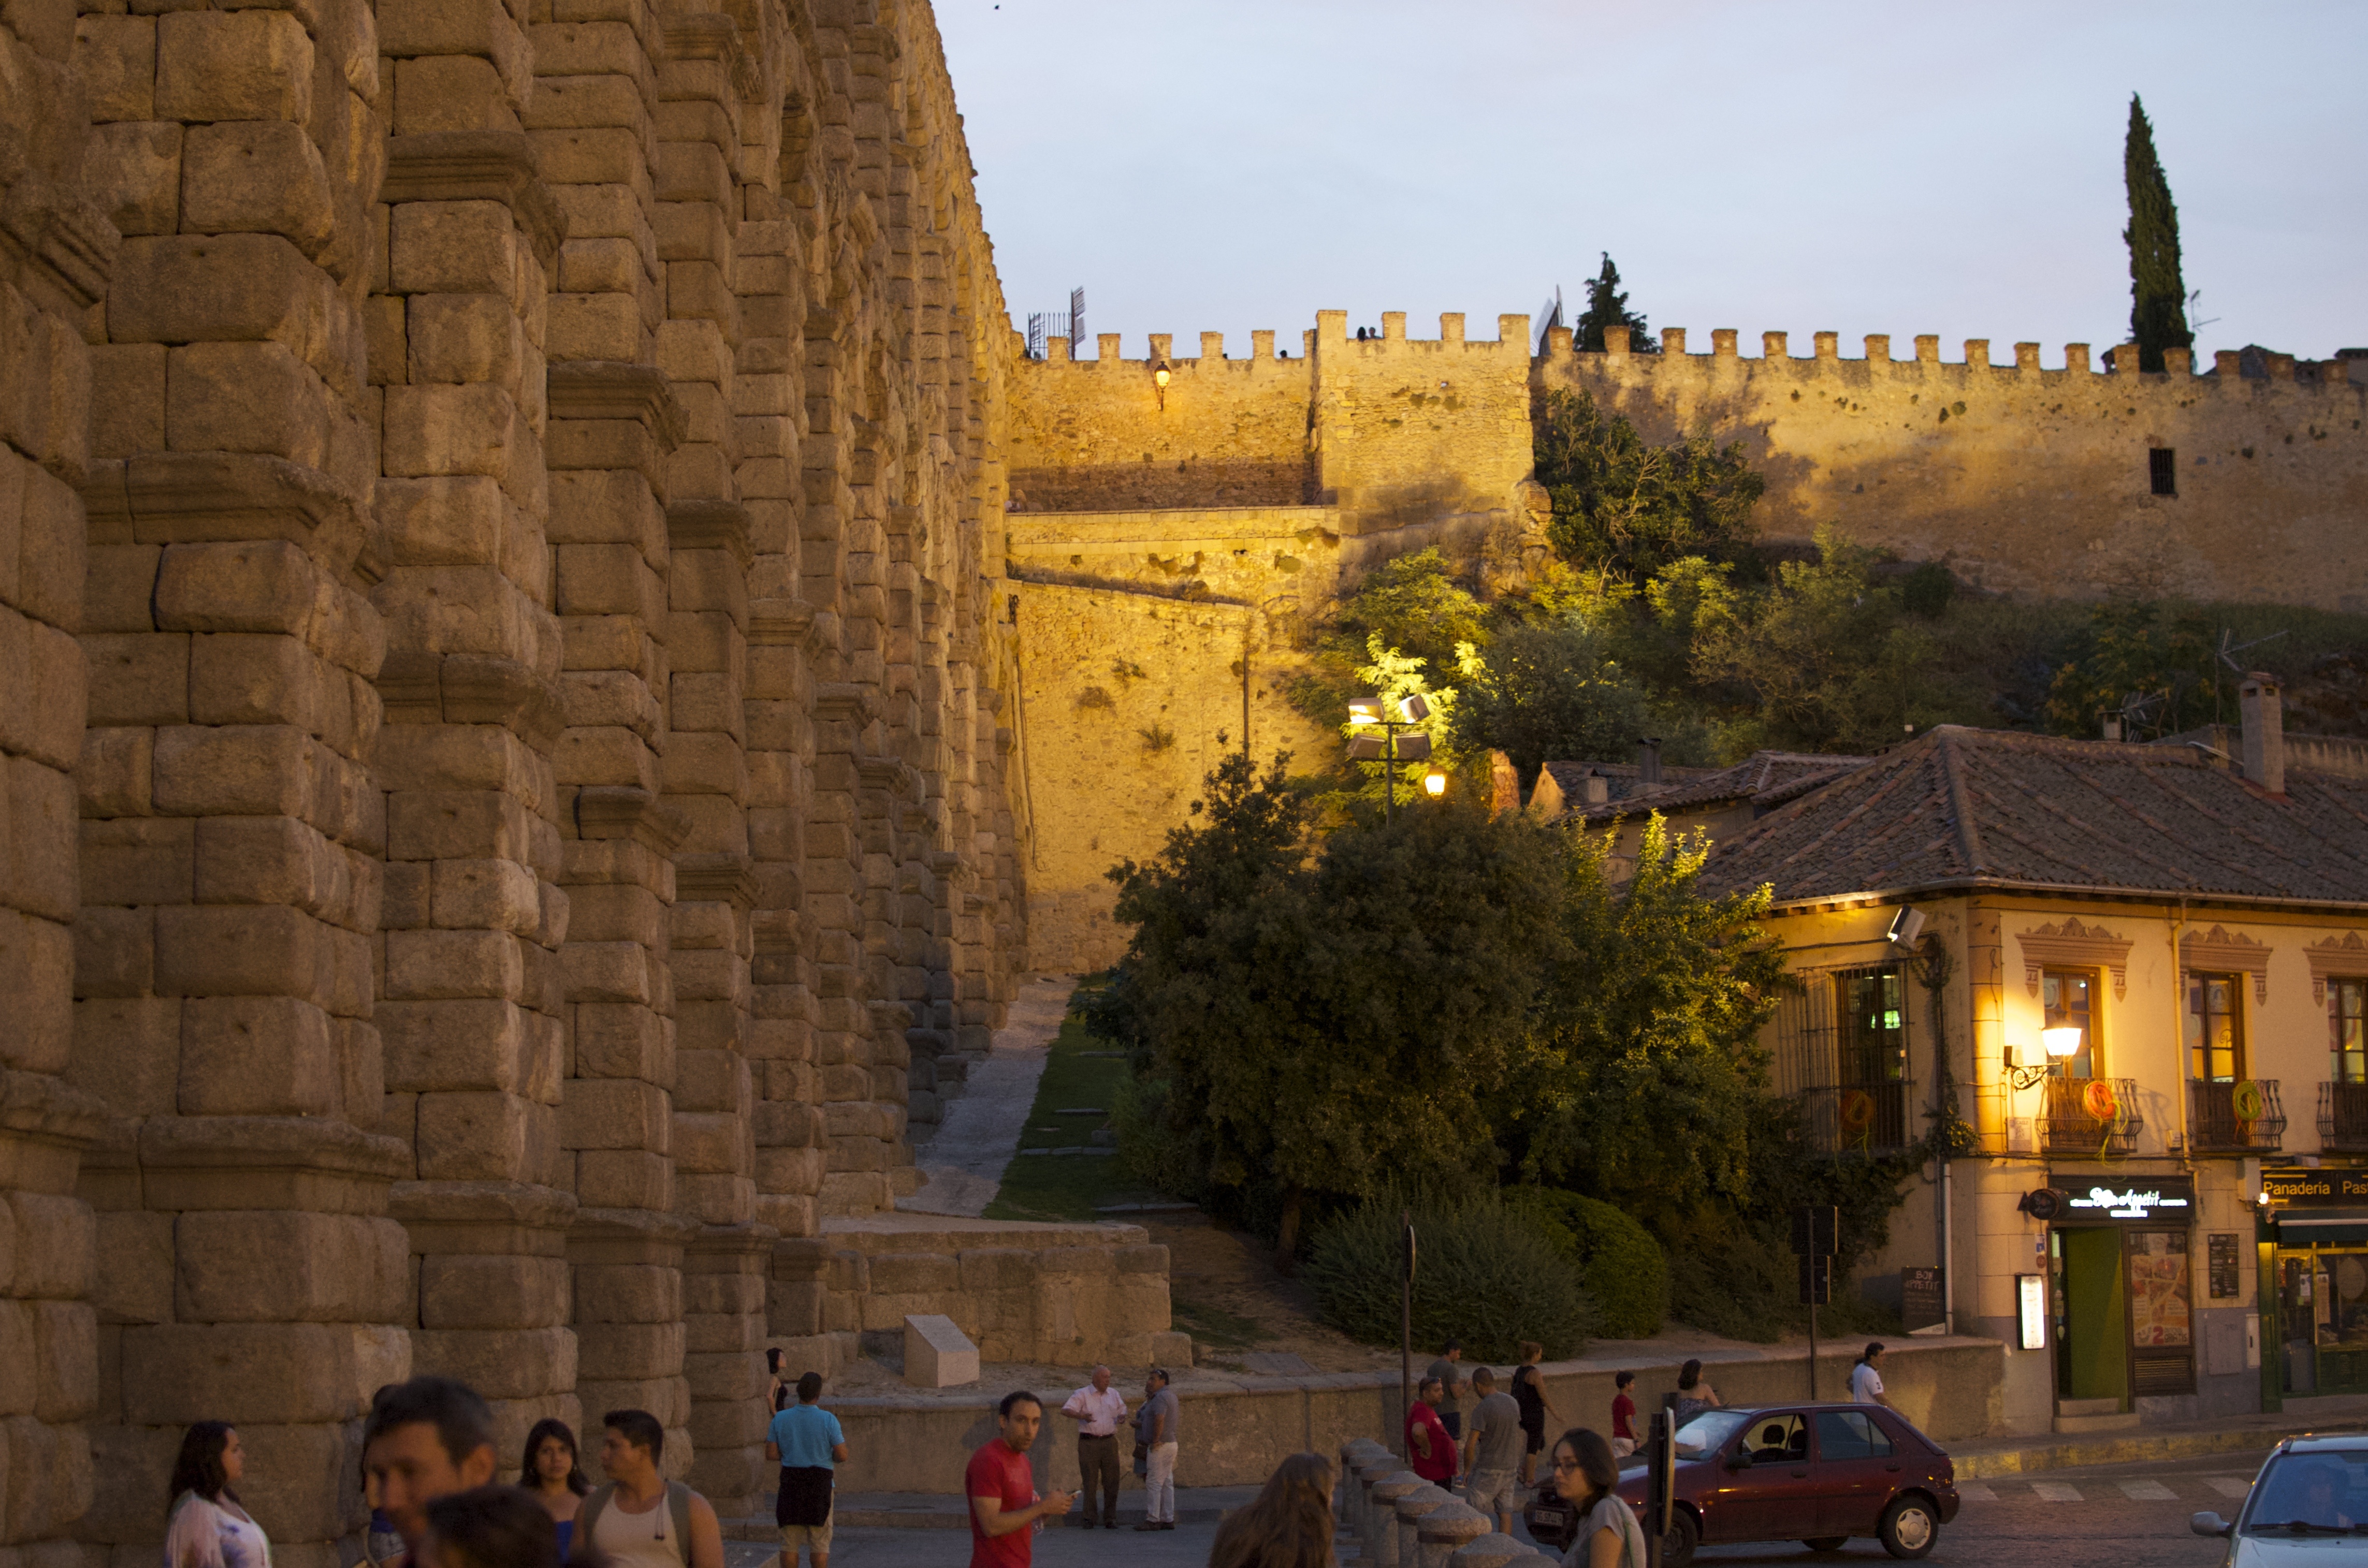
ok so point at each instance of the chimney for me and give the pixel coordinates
(2265, 731)
(1648, 761)
(1595, 790)
(2112, 726)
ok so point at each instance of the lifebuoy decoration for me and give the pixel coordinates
(1857, 1111)
(2100, 1101)
(2248, 1101)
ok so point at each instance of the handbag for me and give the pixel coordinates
(1551, 1520)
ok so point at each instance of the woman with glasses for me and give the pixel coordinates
(1603, 1531)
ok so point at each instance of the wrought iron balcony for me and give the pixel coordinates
(2242, 1118)
(2091, 1115)
(2343, 1118)
(1855, 1118)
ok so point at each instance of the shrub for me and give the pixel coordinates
(1621, 1264)
(1486, 1274)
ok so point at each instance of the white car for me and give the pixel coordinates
(2309, 1507)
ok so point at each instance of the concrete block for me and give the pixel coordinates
(936, 1354)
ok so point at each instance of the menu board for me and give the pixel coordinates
(2158, 1288)
(2223, 1265)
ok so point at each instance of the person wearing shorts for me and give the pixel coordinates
(1492, 1451)
(807, 1443)
(1530, 1393)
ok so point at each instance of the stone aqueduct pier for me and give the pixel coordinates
(505, 820)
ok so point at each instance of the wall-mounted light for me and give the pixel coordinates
(2058, 1044)
(1435, 783)
(1159, 377)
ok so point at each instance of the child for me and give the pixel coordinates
(1623, 1416)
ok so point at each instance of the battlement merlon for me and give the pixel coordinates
(2122, 358)
(1331, 336)
(1162, 351)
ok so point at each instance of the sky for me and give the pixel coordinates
(1794, 165)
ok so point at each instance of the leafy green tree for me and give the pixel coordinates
(2158, 291)
(1607, 305)
(1395, 677)
(1650, 1017)
(1623, 504)
(1413, 604)
(1324, 1028)
(1832, 660)
(1544, 692)
(2148, 660)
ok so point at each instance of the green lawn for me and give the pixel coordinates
(1080, 1072)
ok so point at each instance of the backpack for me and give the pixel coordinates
(677, 1506)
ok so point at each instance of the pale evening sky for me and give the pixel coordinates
(1227, 164)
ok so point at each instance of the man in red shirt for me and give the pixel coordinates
(1430, 1452)
(1002, 1489)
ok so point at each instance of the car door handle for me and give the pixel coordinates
(1800, 1472)
(1892, 1468)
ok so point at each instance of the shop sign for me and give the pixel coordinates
(2305, 1189)
(2170, 1199)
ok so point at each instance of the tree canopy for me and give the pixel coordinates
(1628, 505)
(2157, 290)
(1607, 305)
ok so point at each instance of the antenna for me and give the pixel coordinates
(1076, 318)
(2225, 651)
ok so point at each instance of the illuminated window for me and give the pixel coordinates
(1874, 1017)
(2069, 997)
(2215, 1029)
(2347, 1030)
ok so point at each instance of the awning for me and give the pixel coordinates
(2322, 1227)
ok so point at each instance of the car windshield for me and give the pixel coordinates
(2317, 1492)
(1708, 1431)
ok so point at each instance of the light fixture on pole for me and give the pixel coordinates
(1159, 377)
(2060, 1043)
(1434, 783)
(1389, 748)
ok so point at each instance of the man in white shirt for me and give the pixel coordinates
(1097, 1409)
(1866, 1380)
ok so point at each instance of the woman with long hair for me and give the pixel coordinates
(204, 1525)
(1695, 1394)
(1290, 1524)
(1586, 1473)
(777, 1398)
(551, 1475)
(489, 1526)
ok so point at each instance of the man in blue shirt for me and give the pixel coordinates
(806, 1441)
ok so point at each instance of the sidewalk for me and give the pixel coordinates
(1984, 1457)
(928, 1511)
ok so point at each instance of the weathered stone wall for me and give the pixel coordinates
(500, 530)
(1101, 435)
(2025, 479)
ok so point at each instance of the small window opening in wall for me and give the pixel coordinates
(2162, 467)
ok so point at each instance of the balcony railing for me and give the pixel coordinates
(2242, 1118)
(1851, 1119)
(2343, 1118)
(2091, 1115)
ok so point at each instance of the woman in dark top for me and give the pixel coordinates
(1530, 1393)
(781, 1399)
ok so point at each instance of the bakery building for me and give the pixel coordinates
(2138, 974)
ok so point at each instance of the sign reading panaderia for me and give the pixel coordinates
(2170, 1199)
(2308, 1187)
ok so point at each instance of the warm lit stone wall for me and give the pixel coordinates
(500, 552)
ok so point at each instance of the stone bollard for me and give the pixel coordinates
(1411, 1510)
(1447, 1529)
(1352, 1502)
(1372, 1472)
(1385, 1494)
(1493, 1551)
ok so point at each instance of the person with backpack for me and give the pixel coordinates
(640, 1519)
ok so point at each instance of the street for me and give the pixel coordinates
(2104, 1516)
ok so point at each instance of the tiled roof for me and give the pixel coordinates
(1765, 777)
(1623, 780)
(1963, 807)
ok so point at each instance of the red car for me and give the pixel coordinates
(1815, 1473)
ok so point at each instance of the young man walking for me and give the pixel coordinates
(640, 1519)
(1492, 1450)
(1866, 1377)
(1002, 1489)
(1157, 1426)
(806, 1441)
(1097, 1408)
(424, 1439)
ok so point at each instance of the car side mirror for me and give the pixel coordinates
(2210, 1525)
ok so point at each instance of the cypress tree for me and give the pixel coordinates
(1608, 306)
(2158, 293)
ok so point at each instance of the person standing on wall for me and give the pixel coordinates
(1492, 1450)
(1158, 1426)
(1623, 1415)
(806, 1441)
(640, 1519)
(1451, 1386)
(1002, 1489)
(1866, 1377)
(1430, 1452)
(1097, 1408)
(1530, 1393)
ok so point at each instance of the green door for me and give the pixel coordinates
(2097, 1336)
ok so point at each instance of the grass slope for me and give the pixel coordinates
(1067, 1186)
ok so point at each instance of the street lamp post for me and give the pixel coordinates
(1387, 748)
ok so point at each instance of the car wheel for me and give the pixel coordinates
(1826, 1542)
(1911, 1527)
(1678, 1546)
